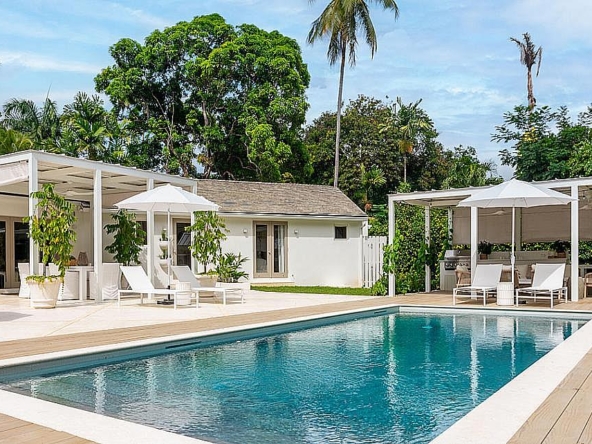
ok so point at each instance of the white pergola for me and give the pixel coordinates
(578, 212)
(100, 184)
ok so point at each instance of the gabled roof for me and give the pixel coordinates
(278, 199)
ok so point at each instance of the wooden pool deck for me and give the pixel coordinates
(565, 417)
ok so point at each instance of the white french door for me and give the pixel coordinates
(271, 253)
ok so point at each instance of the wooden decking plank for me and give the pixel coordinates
(578, 375)
(586, 436)
(573, 420)
(537, 427)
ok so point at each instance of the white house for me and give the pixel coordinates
(291, 233)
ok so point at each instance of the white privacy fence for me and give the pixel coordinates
(372, 258)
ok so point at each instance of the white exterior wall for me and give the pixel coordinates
(315, 257)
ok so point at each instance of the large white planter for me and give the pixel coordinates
(207, 280)
(44, 294)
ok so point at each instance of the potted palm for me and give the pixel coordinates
(51, 229)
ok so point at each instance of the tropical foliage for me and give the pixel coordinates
(128, 238)
(231, 97)
(51, 227)
(208, 232)
(547, 144)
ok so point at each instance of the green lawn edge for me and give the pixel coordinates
(314, 290)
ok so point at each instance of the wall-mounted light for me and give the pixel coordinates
(245, 231)
(296, 232)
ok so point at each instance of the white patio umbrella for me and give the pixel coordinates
(516, 194)
(169, 199)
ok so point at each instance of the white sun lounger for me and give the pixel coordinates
(547, 283)
(184, 274)
(140, 284)
(484, 282)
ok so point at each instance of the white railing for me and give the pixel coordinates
(372, 258)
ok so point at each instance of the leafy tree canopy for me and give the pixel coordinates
(376, 138)
(231, 98)
(547, 144)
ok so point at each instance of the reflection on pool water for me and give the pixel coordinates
(398, 378)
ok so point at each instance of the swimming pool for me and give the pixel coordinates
(402, 377)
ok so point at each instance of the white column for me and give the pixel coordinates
(575, 244)
(428, 271)
(193, 260)
(474, 237)
(33, 186)
(150, 238)
(98, 233)
(391, 238)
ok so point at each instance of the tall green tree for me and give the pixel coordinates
(230, 98)
(85, 122)
(530, 55)
(544, 142)
(341, 21)
(466, 170)
(409, 123)
(365, 142)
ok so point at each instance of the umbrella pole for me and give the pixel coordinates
(169, 249)
(513, 258)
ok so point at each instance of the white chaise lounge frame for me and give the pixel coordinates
(484, 282)
(184, 274)
(546, 283)
(140, 284)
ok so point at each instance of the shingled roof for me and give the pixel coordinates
(278, 198)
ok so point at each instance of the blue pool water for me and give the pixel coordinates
(399, 378)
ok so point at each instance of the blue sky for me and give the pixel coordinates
(453, 54)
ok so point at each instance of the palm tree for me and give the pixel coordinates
(409, 123)
(529, 56)
(339, 21)
(86, 120)
(12, 141)
(41, 125)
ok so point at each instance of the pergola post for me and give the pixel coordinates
(474, 237)
(391, 239)
(575, 244)
(428, 270)
(193, 260)
(150, 237)
(33, 186)
(98, 232)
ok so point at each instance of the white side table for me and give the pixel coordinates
(505, 293)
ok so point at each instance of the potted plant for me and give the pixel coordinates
(51, 229)
(228, 268)
(208, 232)
(128, 238)
(560, 247)
(484, 249)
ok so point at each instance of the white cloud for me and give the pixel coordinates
(38, 62)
